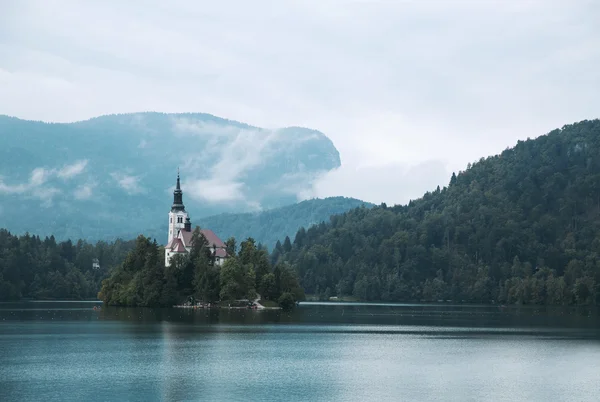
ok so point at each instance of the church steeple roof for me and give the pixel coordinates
(178, 197)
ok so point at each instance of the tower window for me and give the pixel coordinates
(180, 219)
(170, 220)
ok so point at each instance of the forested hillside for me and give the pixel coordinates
(519, 227)
(31, 267)
(268, 226)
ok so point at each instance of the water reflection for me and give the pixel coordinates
(68, 351)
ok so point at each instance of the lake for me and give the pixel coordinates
(67, 351)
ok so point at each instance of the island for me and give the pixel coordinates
(196, 269)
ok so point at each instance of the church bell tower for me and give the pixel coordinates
(178, 217)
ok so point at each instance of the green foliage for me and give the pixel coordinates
(207, 281)
(237, 280)
(44, 269)
(140, 279)
(286, 280)
(143, 280)
(268, 287)
(519, 227)
(287, 301)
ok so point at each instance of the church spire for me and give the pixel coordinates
(177, 196)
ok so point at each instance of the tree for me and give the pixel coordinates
(268, 287)
(248, 251)
(237, 280)
(231, 246)
(200, 247)
(299, 239)
(139, 280)
(207, 281)
(287, 244)
(261, 266)
(286, 280)
(287, 301)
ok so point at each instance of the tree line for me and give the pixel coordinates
(31, 267)
(519, 227)
(143, 280)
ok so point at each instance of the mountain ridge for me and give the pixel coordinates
(109, 174)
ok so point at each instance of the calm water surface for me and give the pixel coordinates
(66, 351)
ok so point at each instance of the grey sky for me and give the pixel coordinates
(408, 90)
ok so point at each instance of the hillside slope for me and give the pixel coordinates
(111, 175)
(268, 226)
(519, 227)
(271, 225)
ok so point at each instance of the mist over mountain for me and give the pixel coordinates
(112, 175)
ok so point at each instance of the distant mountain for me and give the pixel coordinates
(269, 226)
(266, 226)
(113, 175)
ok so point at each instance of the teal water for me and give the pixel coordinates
(66, 351)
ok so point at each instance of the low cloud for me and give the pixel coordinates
(34, 187)
(229, 154)
(46, 194)
(70, 171)
(215, 191)
(12, 189)
(128, 182)
(39, 176)
(301, 182)
(38, 186)
(186, 126)
(84, 192)
(390, 183)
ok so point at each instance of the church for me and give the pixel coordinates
(180, 232)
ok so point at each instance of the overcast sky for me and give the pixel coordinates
(409, 91)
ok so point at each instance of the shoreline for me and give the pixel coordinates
(256, 305)
(226, 307)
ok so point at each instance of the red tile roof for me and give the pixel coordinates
(186, 237)
(170, 243)
(178, 246)
(212, 238)
(221, 252)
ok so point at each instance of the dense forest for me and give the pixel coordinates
(36, 268)
(519, 227)
(143, 280)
